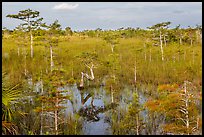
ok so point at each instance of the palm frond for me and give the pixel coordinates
(8, 128)
(10, 95)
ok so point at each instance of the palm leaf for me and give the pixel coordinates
(10, 94)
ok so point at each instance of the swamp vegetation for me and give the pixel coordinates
(122, 82)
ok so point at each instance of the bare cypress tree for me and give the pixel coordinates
(191, 34)
(199, 34)
(20, 37)
(179, 34)
(54, 30)
(90, 60)
(112, 40)
(31, 22)
(159, 32)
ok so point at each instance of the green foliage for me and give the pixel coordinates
(87, 57)
(54, 98)
(28, 17)
(72, 125)
(113, 69)
(159, 26)
(71, 81)
(132, 122)
(111, 38)
(10, 96)
(68, 31)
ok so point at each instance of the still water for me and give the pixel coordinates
(93, 106)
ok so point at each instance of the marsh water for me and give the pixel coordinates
(93, 106)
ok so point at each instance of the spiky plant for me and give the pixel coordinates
(10, 95)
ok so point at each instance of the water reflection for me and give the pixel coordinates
(91, 105)
(94, 106)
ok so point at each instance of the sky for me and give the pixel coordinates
(108, 15)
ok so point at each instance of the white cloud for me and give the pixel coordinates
(65, 6)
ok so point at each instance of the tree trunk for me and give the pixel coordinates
(25, 72)
(180, 41)
(135, 74)
(137, 124)
(150, 56)
(92, 100)
(87, 76)
(92, 74)
(197, 36)
(112, 99)
(112, 48)
(165, 40)
(201, 37)
(186, 108)
(82, 80)
(41, 120)
(191, 42)
(56, 117)
(83, 100)
(51, 59)
(162, 52)
(31, 44)
(56, 128)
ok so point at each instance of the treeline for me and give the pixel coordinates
(181, 35)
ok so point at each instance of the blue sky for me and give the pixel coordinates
(108, 15)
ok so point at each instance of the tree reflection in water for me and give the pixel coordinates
(91, 111)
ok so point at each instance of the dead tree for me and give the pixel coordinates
(86, 75)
